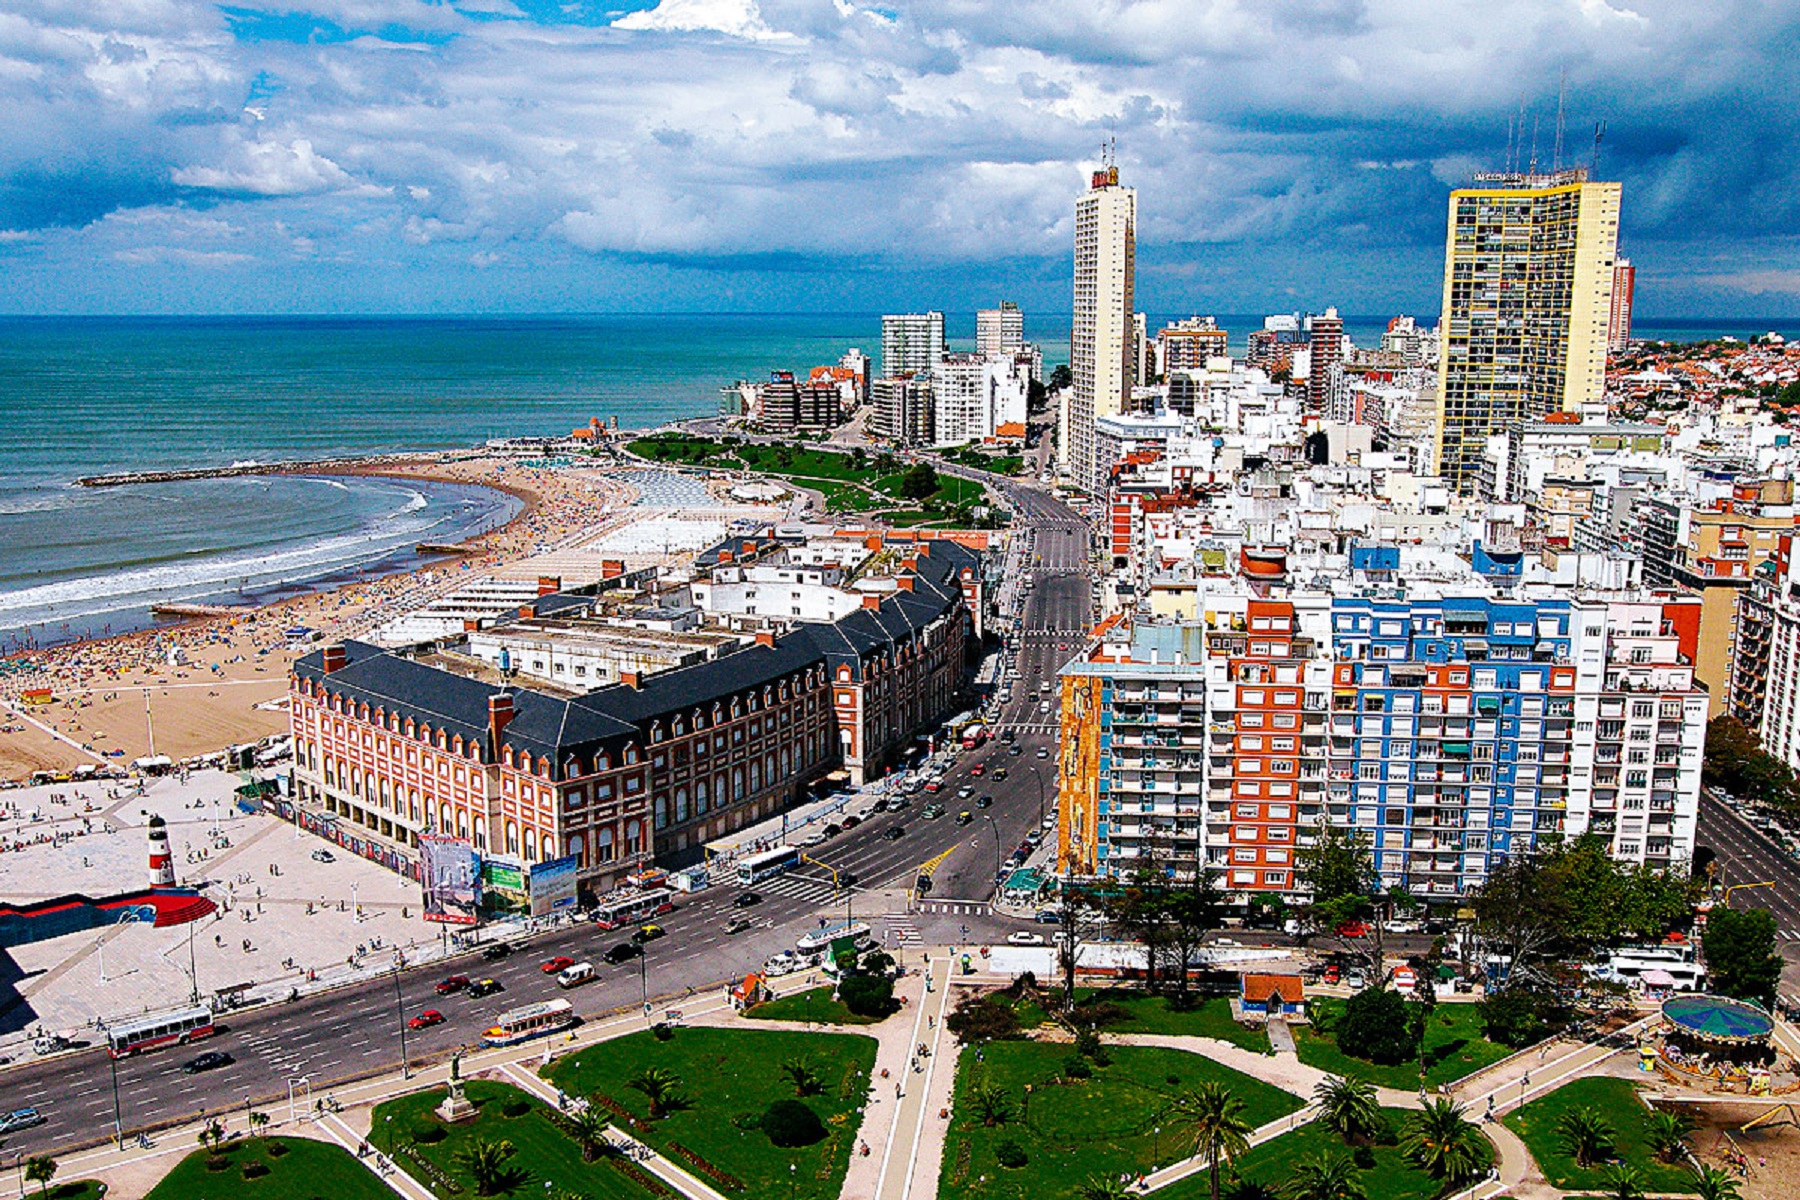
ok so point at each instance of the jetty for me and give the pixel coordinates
(201, 610)
(322, 466)
(445, 548)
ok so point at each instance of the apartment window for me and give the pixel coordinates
(1275, 878)
(1242, 855)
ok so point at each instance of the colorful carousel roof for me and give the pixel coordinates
(1718, 1018)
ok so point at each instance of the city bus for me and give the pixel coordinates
(630, 910)
(758, 867)
(150, 1032)
(817, 941)
(533, 1020)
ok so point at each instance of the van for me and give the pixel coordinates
(575, 976)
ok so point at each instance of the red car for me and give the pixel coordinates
(453, 985)
(1353, 929)
(934, 787)
(552, 966)
(426, 1019)
(978, 770)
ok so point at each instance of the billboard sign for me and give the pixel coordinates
(504, 874)
(451, 879)
(553, 886)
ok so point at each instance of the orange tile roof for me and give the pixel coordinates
(1258, 988)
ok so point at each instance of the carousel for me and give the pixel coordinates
(1719, 1043)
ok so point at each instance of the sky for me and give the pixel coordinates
(515, 156)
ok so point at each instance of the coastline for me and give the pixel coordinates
(196, 686)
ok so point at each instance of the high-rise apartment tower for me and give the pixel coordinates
(911, 342)
(999, 330)
(1101, 357)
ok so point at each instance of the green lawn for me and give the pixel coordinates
(545, 1154)
(1155, 1014)
(732, 1076)
(1114, 1122)
(815, 1005)
(1389, 1179)
(679, 448)
(309, 1170)
(1535, 1124)
(75, 1189)
(1454, 1048)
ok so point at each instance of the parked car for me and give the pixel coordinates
(647, 933)
(851, 821)
(623, 952)
(739, 924)
(932, 812)
(1043, 752)
(1015, 750)
(1048, 916)
(747, 900)
(426, 1019)
(832, 830)
(212, 1060)
(485, 987)
(324, 856)
(497, 951)
(1000, 774)
(1024, 937)
(934, 787)
(964, 792)
(551, 966)
(452, 984)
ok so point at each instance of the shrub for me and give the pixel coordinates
(1377, 1025)
(1010, 1154)
(218, 1162)
(516, 1108)
(867, 995)
(1520, 1017)
(979, 1019)
(662, 1031)
(429, 1135)
(1363, 1157)
(276, 1149)
(789, 1123)
(746, 1121)
(1076, 1067)
(255, 1170)
(1097, 1013)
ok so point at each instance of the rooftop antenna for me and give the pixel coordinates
(1594, 162)
(1562, 104)
(1532, 169)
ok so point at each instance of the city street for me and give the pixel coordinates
(356, 1031)
(1747, 856)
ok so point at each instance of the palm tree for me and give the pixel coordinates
(212, 1137)
(587, 1129)
(1348, 1107)
(1622, 1182)
(991, 1103)
(485, 1161)
(658, 1085)
(1715, 1184)
(1104, 1187)
(1667, 1133)
(41, 1170)
(1585, 1135)
(259, 1121)
(806, 1081)
(1329, 1176)
(1439, 1142)
(1251, 1189)
(1221, 1133)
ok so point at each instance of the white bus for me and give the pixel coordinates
(1629, 965)
(819, 939)
(758, 867)
(533, 1020)
(630, 910)
(178, 1028)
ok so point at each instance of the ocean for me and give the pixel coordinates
(86, 396)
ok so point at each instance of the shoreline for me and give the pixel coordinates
(191, 687)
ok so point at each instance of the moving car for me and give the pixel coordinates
(978, 770)
(1015, 750)
(21, 1118)
(623, 952)
(894, 833)
(739, 924)
(426, 1019)
(575, 975)
(934, 787)
(210, 1061)
(932, 812)
(647, 933)
(1024, 937)
(453, 984)
(1043, 752)
(964, 792)
(551, 966)
(964, 817)
(1000, 774)
(984, 802)
(485, 987)
(497, 951)
(747, 900)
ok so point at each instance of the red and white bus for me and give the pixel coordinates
(156, 1030)
(630, 910)
(534, 1020)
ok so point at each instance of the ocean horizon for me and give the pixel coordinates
(100, 394)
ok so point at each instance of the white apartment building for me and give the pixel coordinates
(975, 396)
(1000, 330)
(1101, 340)
(911, 342)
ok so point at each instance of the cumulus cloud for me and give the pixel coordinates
(1287, 143)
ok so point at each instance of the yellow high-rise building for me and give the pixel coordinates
(1528, 279)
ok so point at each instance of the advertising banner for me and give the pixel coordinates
(553, 886)
(451, 879)
(504, 874)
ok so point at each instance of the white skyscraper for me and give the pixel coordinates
(911, 343)
(1101, 343)
(999, 330)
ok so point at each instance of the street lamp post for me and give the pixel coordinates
(118, 1114)
(193, 970)
(400, 1014)
(996, 828)
(644, 978)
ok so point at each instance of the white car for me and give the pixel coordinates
(1024, 937)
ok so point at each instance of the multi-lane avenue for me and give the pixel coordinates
(356, 1031)
(1748, 859)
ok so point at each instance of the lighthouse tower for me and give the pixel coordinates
(162, 863)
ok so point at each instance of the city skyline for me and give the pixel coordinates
(402, 156)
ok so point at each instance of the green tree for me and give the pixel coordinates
(1339, 870)
(587, 1129)
(990, 1104)
(979, 1019)
(1221, 1133)
(1521, 1016)
(1740, 954)
(1377, 1025)
(919, 482)
(1329, 1176)
(41, 1170)
(212, 1136)
(1735, 761)
(1622, 1181)
(1714, 1184)
(1251, 1189)
(1349, 1108)
(1585, 1135)
(1667, 1134)
(657, 1084)
(1061, 376)
(867, 995)
(799, 1072)
(485, 1161)
(259, 1121)
(1442, 1143)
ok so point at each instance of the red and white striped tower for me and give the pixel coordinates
(162, 863)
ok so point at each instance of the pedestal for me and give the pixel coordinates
(456, 1106)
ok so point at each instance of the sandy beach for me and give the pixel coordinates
(197, 687)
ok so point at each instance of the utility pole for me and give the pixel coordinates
(400, 1013)
(118, 1116)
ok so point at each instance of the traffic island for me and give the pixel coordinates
(1040, 1119)
(271, 1168)
(757, 1113)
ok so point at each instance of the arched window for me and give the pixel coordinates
(700, 797)
(578, 847)
(634, 836)
(549, 847)
(755, 775)
(737, 783)
(443, 824)
(603, 844)
(681, 805)
(512, 837)
(662, 812)
(462, 825)
(530, 846)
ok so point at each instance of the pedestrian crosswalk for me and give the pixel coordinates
(904, 928)
(800, 887)
(964, 907)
